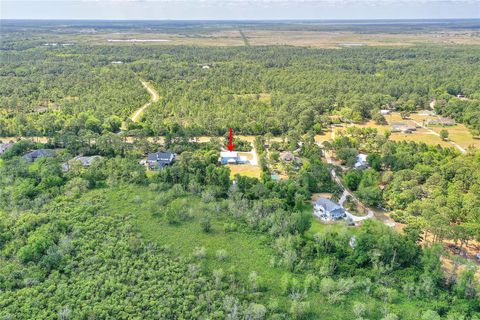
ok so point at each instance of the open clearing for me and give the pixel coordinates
(262, 37)
(458, 133)
(244, 170)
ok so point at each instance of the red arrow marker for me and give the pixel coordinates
(231, 145)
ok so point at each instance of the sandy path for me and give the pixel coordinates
(154, 98)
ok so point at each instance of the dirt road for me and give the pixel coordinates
(154, 98)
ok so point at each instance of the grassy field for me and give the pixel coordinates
(262, 37)
(245, 170)
(327, 135)
(460, 133)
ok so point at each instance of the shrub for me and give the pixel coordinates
(206, 223)
(359, 309)
(391, 316)
(256, 311)
(230, 227)
(299, 310)
(311, 282)
(221, 254)
(200, 252)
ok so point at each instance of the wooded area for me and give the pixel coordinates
(113, 239)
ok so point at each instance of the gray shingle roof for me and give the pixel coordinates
(328, 204)
(161, 157)
(35, 154)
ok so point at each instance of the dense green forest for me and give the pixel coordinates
(255, 90)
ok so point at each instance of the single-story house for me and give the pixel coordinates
(402, 127)
(159, 160)
(361, 161)
(206, 66)
(85, 161)
(385, 112)
(441, 122)
(4, 147)
(326, 209)
(40, 153)
(287, 156)
(231, 157)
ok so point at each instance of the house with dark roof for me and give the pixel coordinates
(159, 160)
(83, 160)
(40, 153)
(326, 209)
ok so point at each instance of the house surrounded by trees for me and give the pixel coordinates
(40, 153)
(159, 160)
(326, 209)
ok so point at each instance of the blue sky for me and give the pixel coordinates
(238, 9)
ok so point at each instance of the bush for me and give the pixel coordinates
(256, 311)
(359, 309)
(221, 255)
(311, 282)
(391, 316)
(76, 187)
(230, 227)
(206, 223)
(200, 252)
(299, 310)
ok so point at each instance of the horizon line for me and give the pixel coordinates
(249, 20)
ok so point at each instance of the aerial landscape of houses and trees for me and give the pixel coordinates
(194, 167)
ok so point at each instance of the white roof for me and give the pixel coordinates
(361, 160)
(362, 157)
(228, 154)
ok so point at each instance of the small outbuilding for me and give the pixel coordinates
(402, 127)
(362, 162)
